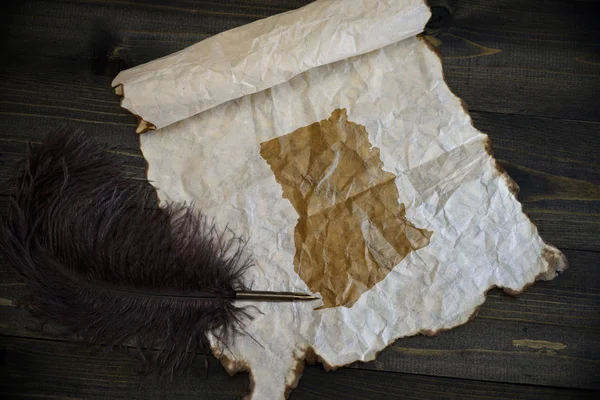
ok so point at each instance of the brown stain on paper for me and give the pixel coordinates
(351, 229)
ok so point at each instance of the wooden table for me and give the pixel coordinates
(530, 74)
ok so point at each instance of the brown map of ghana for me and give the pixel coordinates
(351, 229)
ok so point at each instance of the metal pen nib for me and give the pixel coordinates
(274, 296)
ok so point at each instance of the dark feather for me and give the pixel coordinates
(111, 269)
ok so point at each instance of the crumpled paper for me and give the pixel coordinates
(353, 172)
(260, 55)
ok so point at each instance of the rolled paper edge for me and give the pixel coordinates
(407, 19)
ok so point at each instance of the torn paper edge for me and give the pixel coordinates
(555, 261)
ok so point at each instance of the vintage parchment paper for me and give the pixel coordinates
(263, 54)
(267, 162)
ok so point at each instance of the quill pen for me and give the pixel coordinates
(98, 259)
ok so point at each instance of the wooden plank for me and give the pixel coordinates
(502, 348)
(558, 173)
(537, 152)
(493, 52)
(32, 103)
(521, 56)
(548, 336)
(46, 81)
(345, 384)
(47, 369)
(552, 332)
(554, 162)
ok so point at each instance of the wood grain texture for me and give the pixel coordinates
(558, 173)
(556, 164)
(47, 369)
(40, 368)
(529, 71)
(564, 311)
(527, 57)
